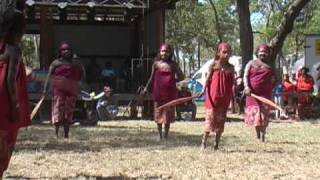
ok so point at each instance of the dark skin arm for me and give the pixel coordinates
(53, 65)
(247, 89)
(150, 78)
(83, 71)
(180, 75)
(14, 55)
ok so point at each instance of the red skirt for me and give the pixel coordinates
(62, 109)
(257, 116)
(165, 115)
(215, 120)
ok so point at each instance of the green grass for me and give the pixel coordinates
(131, 150)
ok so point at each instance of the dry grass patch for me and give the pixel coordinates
(130, 150)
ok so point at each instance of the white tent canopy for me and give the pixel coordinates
(298, 65)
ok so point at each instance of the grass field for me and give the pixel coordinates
(131, 150)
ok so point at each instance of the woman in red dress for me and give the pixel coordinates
(163, 82)
(260, 80)
(219, 86)
(14, 111)
(65, 77)
(304, 93)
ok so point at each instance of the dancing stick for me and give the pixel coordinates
(178, 101)
(267, 101)
(36, 108)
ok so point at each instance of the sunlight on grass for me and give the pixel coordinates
(131, 150)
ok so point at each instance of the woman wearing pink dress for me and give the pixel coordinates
(163, 83)
(65, 77)
(258, 79)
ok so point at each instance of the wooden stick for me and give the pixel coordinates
(36, 108)
(267, 101)
(178, 101)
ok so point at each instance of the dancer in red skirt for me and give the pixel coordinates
(163, 82)
(218, 93)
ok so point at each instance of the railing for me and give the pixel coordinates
(130, 4)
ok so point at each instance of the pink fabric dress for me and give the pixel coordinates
(164, 90)
(261, 82)
(222, 81)
(65, 83)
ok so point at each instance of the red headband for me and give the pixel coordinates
(263, 47)
(223, 45)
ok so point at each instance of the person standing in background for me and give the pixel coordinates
(65, 77)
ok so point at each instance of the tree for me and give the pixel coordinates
(283, 30)
(246, 35)
(29, 47)
(193, 28)
(286, 26)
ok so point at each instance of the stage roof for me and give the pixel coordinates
(95, 10)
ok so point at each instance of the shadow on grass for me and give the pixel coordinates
(234, 119)
(254, 151)
(17, 177)
(79, 177)
(96, 139)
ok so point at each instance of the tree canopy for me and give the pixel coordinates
(196, 26)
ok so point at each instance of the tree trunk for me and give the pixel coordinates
(191, 64)
(176, 54)
(199, 45)
(36, 48)
(184, 65)
(218, 29)
(246, 35)
(286, 26)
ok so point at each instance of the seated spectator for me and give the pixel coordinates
(288, 90)
(188, 106)
(103, 103)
